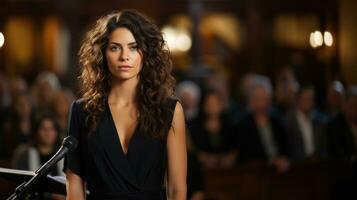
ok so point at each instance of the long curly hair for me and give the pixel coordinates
(156, 84)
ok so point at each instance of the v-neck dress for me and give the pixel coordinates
(109, 172)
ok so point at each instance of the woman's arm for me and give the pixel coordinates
(177, 157)
(75, 186)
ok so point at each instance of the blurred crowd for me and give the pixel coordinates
(33, 120)
(274, 122)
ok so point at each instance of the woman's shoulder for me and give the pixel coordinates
(173, 104)
(77, 108)
(171, 101)
(78, 105)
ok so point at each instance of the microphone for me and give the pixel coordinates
(69, 143)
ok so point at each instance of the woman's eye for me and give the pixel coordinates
(133, 48)
(114, 48)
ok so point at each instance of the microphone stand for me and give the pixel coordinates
(35, 194)
(35, 183)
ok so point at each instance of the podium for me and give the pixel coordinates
(47, 184)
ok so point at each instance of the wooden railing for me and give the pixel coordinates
(260, 182)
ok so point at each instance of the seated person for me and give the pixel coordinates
(211, 133)
(44, 144)
(261, 136)
(306, 128)
(342, 129)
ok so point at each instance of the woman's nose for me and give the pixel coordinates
(124, 55)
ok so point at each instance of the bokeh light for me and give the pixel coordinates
(177, 40)
(328, 39)
(2, 39)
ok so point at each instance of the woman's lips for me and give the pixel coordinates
(124, 68)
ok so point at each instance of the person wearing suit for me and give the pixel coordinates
(260, 135)
(306, 128)
(342, 129)
(212, 133)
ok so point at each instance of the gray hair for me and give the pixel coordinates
(260, 81)
(189, 86)
(51, 78)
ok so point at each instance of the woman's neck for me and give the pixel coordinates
(123, 92)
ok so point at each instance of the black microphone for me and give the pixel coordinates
(69, 143)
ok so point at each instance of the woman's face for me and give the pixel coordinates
(259, 100)
(45, 92)
(61, 104)
(23, 106)
(213, 104)
(123, 56)
(47, 133)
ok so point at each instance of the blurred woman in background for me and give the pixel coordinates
(44, 143)
(212, 133)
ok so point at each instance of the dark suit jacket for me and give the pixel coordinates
(340, 139)
(249, 142)
(201, 136)
(296, 141)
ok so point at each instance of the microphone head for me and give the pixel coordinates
(70, 142)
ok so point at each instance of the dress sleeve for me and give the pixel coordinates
(74, 159)
(172, 105)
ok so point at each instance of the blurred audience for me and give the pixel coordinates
(260, 135)
(17, 126)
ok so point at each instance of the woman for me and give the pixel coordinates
(45, 142)
(212, 133)
(131, 134)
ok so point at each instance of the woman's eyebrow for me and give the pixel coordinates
(132, 43)
(116, 43)
(119, 44)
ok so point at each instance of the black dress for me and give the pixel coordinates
(109, 173)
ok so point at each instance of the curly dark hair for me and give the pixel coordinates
(156, 84)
